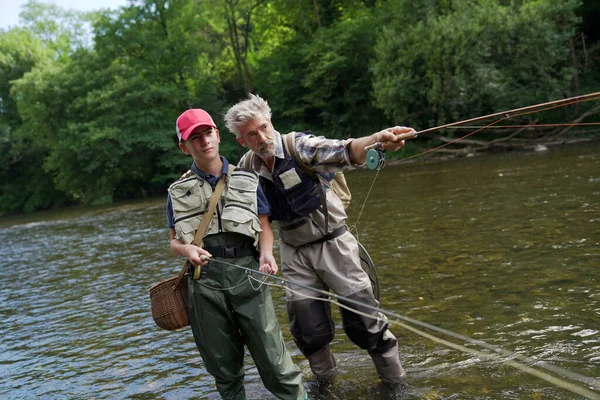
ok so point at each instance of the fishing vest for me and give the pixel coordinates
(293, 193)
(238, 211)
(295, 201)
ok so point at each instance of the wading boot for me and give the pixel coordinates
(388, 367)
(323, 365)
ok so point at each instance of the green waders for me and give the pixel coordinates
(227, 311)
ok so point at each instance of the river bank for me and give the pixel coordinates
(425, 157)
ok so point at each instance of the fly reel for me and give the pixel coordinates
(376, 156)
(375, 159)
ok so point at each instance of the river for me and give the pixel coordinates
(503, 249)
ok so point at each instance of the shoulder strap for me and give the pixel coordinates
(248, 160)
(212, 205)
(289, 142)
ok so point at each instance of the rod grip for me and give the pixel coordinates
(402, 136)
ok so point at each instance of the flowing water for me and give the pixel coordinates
(502, 249)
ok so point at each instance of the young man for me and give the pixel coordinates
(225, 309)
(316, 253)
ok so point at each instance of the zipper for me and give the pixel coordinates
(240, 206)
(188, 217)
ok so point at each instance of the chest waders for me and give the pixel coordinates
(224, 309)
(317, 251)
(227, 310)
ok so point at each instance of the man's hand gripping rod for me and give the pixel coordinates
(376, 156)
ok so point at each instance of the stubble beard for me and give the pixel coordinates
(267, 149)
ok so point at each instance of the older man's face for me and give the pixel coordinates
(259, 136)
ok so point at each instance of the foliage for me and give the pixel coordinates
(25, 187)
(478, 58)
(88, 100)
(324, 82)
(62, 31)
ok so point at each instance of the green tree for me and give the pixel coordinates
(25, 186)
(233, 24)
(109, 114)
(62, 31)
(475, 59)
(319, 76)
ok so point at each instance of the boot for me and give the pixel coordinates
(322, 364)
(388, 366)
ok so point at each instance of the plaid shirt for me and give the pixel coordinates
(319, 153)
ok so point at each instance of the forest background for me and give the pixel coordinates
(88, 101)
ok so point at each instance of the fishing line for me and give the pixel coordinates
(456, 140)
(355, 226)
(518, 112)
(333, 298)
(529, 126)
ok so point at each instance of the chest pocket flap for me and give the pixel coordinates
(185, 196)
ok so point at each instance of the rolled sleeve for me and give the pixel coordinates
(322, 154)
(347, 155)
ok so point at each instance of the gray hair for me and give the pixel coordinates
(247, 110)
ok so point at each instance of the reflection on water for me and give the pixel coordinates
(503, 249)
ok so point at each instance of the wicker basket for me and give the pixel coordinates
(169, 303)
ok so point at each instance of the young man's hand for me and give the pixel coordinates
(197, 255)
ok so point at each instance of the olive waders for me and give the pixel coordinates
(228, 309)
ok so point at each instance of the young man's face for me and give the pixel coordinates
(202, 144)
(259, 136)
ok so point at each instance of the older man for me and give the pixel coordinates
(316, 248)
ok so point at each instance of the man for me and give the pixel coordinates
(316, 249)
(225, 309)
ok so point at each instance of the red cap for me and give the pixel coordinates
(190, 120)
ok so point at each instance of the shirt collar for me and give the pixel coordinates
(211, 178)
(278, 145)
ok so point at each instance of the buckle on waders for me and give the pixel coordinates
(229, 251)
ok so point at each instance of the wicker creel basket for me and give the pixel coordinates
(169, 303)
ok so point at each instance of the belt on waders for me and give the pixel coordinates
(332, 235)
(232, 251)
(227, 251)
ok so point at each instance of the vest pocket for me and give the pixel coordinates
(186, 229)
(242, 191)
(184, 196)
(241, 221)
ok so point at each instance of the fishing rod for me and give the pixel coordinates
(522, 111)
(376, 158)
(529, 126)
(342, 301)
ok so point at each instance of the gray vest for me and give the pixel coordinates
(237, 211)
